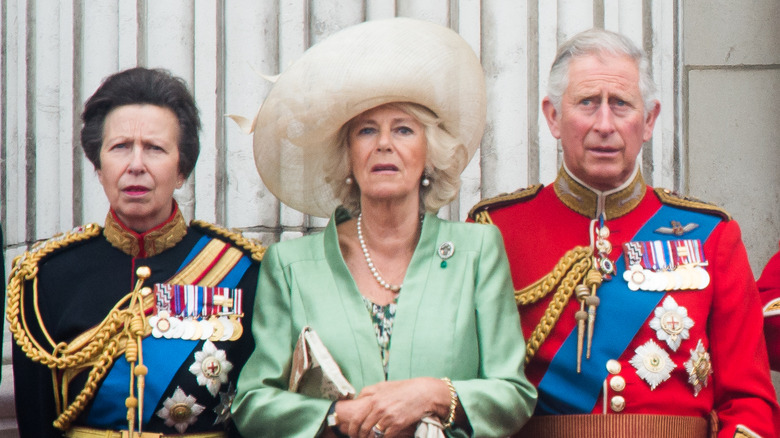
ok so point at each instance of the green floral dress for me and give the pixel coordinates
(383, 318)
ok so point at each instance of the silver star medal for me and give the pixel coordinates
(180, 410)
(699, 368)
(225, 402)
(652, 364)
(211, 367)
(671, 323)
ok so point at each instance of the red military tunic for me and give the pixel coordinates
(540, 225)
(769, 289)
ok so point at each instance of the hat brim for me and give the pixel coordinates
(354, 70)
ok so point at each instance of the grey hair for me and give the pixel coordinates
(594, 42)
(446, 157)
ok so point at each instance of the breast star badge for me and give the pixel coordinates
(652, 364)
(180, 410)
(699, 368)
(211, 367)
(671, 323)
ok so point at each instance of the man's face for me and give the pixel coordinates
(601, 122)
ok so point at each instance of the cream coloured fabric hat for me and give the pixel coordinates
(354, 70)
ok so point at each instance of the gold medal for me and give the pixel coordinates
(687, 280)
(238, 329)
(219, 329)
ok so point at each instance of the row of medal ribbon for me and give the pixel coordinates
(665, 265)
(197, 313)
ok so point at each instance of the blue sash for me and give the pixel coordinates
(163, 358)
(564, 391)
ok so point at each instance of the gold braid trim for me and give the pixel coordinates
(671, 198)
(505, 199)
(256, 249)
(96, 349)
(483, 217)
(569, 272)
(25, 267)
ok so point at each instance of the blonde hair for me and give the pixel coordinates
(446, 158)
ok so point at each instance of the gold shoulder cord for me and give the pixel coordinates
(120, 332)
(570, 270)
(257, 250)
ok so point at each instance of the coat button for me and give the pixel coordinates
(613, 366)
(617, 383)
(617, 403)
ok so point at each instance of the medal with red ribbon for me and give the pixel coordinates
(197, 312)
(659, 265)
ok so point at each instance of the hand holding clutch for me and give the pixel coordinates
(314, 372)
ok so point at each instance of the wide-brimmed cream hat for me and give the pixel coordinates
(354, 70)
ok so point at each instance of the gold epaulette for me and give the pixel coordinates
(669, 197)
(479, 213)
(253, 247)
(25, 268)
(55, 243)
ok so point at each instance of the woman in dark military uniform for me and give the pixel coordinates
(136, 325)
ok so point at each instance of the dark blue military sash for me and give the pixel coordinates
(164, 357)
(564, 391)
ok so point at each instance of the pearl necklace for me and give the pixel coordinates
(374, 271)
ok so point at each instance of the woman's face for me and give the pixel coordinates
(139, 164)
(387, 151)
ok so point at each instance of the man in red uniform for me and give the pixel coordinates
(633, 300)
(769, 289)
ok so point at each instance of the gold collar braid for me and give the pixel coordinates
(147, 244)
(590, 202)
(121, 332)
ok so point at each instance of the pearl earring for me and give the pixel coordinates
(348, 180)
(425, 182)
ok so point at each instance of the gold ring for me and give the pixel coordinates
(377, 429)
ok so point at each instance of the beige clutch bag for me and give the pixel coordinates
(314, 372)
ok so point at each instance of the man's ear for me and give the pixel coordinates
(551, 114)
(652, 116)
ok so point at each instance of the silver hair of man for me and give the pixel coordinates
(446, 157)
(594, 42)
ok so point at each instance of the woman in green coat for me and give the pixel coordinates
(417, 312)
